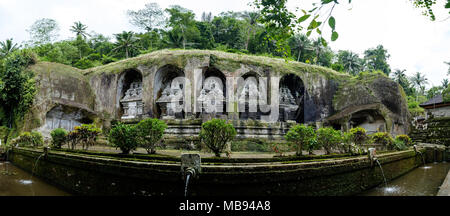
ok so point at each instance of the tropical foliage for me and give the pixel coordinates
(215, 134)
(150, 132)
(301, 136)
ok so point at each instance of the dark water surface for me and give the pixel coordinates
(17, 182)
(422, 181)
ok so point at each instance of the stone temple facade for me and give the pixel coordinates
(261, 96)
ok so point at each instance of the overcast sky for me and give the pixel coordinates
(414, 42)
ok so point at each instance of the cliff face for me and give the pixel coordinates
(95, 93)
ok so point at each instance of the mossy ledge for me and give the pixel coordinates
(89, 175)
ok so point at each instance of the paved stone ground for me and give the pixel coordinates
(445, 187)
(177, 153)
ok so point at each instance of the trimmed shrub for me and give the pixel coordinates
(215, 134)
(150, 132)
(405, 139)
(382, 138)
(328, 138)
(301, 136)
(124, 137)
(358, 135)
(58, 137)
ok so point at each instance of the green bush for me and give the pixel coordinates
(328, 138)
(26, 139)
(58, 137)
(215, 134)
(124, 137)
(87, 135)
(398, 145)
(37, 139)
(405, 139)
(346, 142)
(382, 138)
(446, 94)
(358, 135)
(150, 132)
(301, 136)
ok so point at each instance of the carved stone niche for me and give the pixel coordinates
(132, 101)
(249, 97)
(212, 96)
(170, 101)
(288, 107)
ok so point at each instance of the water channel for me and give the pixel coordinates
(422, 181)
(17, 182)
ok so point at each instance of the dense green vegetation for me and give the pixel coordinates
(249, 32)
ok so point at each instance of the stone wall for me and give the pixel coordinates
(439, 112)
(100, 91)
(432, 130)
(90, 175)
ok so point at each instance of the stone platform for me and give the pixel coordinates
(445, 187)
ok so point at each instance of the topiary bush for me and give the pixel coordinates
(215, 134)
(358, 135)
(382, 138)
(124, 137)
(328, 138)
(59, 136)
(301, 136)
(150, 132)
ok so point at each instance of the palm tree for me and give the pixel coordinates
(252, 20)
(418, 80)
(80, 29)
(126, 41)
(301, 43)
(350, 61)
(7, 47)
(445, 83)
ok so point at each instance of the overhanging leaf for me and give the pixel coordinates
(332, 23)
(334, 36)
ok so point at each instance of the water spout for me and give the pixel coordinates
(190, 172)
(190, 169)
(419, 153)
(382, 172)
(44, 154)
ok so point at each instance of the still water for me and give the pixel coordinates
(16, 182)
(422, 181)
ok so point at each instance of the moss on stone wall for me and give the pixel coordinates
(84, 174)
(436, 132)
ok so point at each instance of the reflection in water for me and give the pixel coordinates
(423, 181)
(16, 182)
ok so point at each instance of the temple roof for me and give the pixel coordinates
(437, 100)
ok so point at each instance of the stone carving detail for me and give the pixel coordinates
(212, 97)
(288, 105)
(59, 118)
(248, 99)
(132, 101)
(171, 98)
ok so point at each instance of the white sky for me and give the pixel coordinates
(414, 42)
